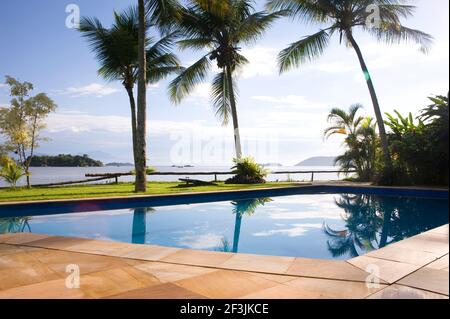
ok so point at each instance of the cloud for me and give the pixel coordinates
(96, 89)
(262, 62)
(290, 101)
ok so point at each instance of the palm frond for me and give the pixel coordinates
(304, 50)
(190, 77)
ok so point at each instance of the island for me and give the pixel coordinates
(114, 164)
(318, 161)
(65, 160)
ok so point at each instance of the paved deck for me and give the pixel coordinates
(34, 266)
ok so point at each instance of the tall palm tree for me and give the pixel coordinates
(116, 49)
(344, 17)
(220, 27)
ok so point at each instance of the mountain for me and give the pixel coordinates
(318, 161)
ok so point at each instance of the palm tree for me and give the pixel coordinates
(220, 27)
(360, 139)
(343, 18)
(116, 50)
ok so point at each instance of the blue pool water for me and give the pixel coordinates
(328, 226)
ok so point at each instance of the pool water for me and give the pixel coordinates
(327, 226)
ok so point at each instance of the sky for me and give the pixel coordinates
(282, 117)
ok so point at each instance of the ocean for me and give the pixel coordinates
(46, 175)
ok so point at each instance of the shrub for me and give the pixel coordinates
(11, 172)
(247, 172)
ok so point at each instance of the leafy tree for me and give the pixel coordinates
(360, 140)
(117, 51)
(344, 17)
(220, 27)
(22, 122)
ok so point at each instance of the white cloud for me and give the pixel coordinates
(291, 101)
(263, 62)
(96, 89)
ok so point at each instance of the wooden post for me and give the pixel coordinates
(215, 177)
(117, 179)
(312, 177)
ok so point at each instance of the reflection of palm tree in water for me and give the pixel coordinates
(15, 225)
(241, 207)
(374, 222)
(363, 221)
(139, 230)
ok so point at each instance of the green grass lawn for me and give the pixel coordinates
(112, 190)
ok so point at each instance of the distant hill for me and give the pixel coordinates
(119, 164)
(65, 160)
(318, 161)
(272, 165)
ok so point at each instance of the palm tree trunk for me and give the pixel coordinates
(133, 123)
(376, 106)
(237, 136)
(141, 156)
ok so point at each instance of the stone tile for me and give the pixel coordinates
(53, 289)
(102, 247)
(440, 264)
(150, 253)
(278, 292)
(441, 230)
(389, 271)
(276, 278)
(225, 284)
(429, 243)
(57, 242)
(403, 292)
(332, 289)
(5, 237)
(6, 249)
(258, 263)
(172, 272)
(164, 291)
(404, 255)
(25, 275)
(198, 258)
(25, 238)
(115, 281)
(428, 279)
(59, 260)
(329, 269)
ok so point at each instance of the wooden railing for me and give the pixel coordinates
(116, 176)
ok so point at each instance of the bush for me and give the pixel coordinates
(247, 172)
(10, 171)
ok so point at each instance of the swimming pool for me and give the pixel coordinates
(325, 225)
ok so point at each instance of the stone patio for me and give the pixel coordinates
(34, 266)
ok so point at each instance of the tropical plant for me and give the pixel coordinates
(247, 171)
(117, 50)
(360, 141)
(420, 147)
(11, 172)
(343, 18)
(22, 122)
(220, 27)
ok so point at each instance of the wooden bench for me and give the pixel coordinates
(196, 182)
